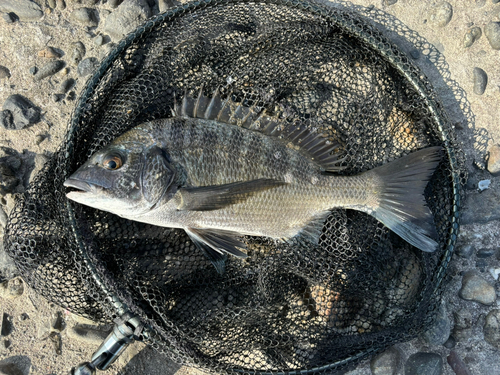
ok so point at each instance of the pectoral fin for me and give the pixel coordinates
(208, 198)
(216, 244)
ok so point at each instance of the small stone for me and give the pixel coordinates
(495, 272)
(56, 98)
(23, 111)
(471, 36)
(4, 72)
(475, 288)
(480, 81)
(78, 52)
(99, 40)
(55, 337)
(483, 185)
(7, 326)
(26, 10)
(61, 4)
(87, 66)
(114, 3)
(10, 17)
(129, 15)
(492, 33)
(49, 69)
(66, 85)
(456, 363)
(486, 253)
(450, 343)
(12, 288)
(71, 96)
(58, 323)
(441, 13)
(49, 53)
(465, 251)
(6, 119)
(386, 363)
(494, 160)
(440, 330)
(389, 2)
(33, 70)
(52, 3)
(23, 317)
(93, 335)
(424, 363)
(85, 16)
(491, 328)
(10, 369)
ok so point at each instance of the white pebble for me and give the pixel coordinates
(483, 185)
(495, 272)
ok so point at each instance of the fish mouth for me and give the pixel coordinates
(81, 186)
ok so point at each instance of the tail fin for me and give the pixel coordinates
(402, 206)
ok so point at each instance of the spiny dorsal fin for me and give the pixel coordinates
(298, 136)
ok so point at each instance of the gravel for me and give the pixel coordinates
(23, 111)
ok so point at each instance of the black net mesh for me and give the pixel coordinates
(286, 307)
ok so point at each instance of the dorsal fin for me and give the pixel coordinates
(298, 136)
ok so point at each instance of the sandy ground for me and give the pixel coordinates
(30, 344)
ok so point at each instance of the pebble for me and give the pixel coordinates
(61, 4)
(424, 363)
(471, 36)
(486, 253)
(85, 16)
(33, 70)
(463, 324)
(483, 185)
(441, 13)
(492, 33)
(457, 365)
(389, 2)
(491, 328)
(78, 52)
(494, 160)
(475, 288)
(66, 85)
(164, 5)
(480, 81)
(129, 15)
(7, 326)
(10, 369)
(115, 3)
(23, 111)
(93, 335)
(440, 330)
(386, 363)
(450, 343)
(87, 66)
(9, 17)
(49, 69)
(495, 272)
(99, 40)
(12, 288)
(50, 53)
(52, 3)
(26, 10)
(465, 251)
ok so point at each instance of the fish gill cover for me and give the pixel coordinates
(286, 307)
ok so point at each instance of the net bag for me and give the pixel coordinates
(286, 308)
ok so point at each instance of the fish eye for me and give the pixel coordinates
(112, 162)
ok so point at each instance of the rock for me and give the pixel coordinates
(492, 33)
(61, 4)
(99, 40)
(10, 17)
(495, 272)
(7, 326)
(486, 253)
(12, 288)
(49, 53)
(55, 337)
(386, 363)
(441, 13)
(58, 323)
(66, 85)
(465, 251)
(24, 112)
(450, 343)
(389, 2)
(440, 330)
(78, 52)
(129, 15)
(480, 81)
(49, 69)
(457, 364)
(85, 16)
(26, 10)
(6, 119)
(483, 185)
(51, 3)
(4, 72)
(494, 160)
(471, 36)
(33, 70)
(424, 363)
(93, 335)
(477, 289)
(9, 369)
(87, 66)
(115, 3)
(491, 328)
(463, 324)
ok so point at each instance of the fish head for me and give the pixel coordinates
(124, 180)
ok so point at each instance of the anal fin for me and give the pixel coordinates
(312, 231)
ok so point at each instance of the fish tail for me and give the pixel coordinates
(401, 203)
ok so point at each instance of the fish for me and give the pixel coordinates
(221, 170)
